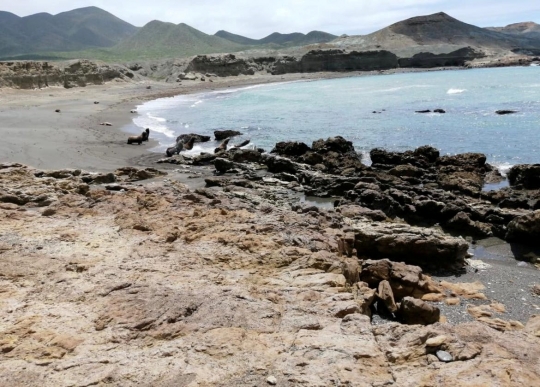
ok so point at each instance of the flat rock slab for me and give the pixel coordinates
(401, 242)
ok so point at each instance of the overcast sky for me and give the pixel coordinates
(257, 19)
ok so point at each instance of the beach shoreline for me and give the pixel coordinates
(34, 134)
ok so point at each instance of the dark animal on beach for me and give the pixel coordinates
(180, 146)
(136, 139)
(146, 134)
(189, 145)
(244, 143)
(223, 146)
(423, 111)
(57, 111)
(175, 149)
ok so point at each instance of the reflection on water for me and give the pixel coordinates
(324, 203)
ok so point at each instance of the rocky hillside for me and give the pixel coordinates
(526, 29)
(68, 31)
(166, 40)
(437, 33)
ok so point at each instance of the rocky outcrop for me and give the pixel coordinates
(222, 65)
(456, 58)
(525, 176)
(525, 229)
(414, 245)
(241, 287)
(336, 60)
(31, 75)
(198, 138)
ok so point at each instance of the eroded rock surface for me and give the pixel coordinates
(159, 285)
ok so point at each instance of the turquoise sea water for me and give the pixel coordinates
(306, 111)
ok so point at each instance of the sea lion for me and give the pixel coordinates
(244, 143)
(189, 144)
(146, 134)
(180, 146)
(223, 146)
(175, 149)
(136, 139)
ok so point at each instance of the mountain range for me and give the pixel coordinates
(96, 34)
(79, 29)
(92, 31)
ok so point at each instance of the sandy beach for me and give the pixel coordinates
(34, 134)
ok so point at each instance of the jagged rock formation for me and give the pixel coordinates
(336, 60)
(30, 75)
(456, 58)
(233, 288)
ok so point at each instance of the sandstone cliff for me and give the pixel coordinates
(31, 75)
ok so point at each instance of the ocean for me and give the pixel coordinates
(371, 111)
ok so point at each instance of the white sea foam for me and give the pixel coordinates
(155, 124)
(503, 167)
(197, 103)
(456, 91)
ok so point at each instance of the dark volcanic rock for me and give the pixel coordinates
(336, 60)
(224, 134)
(454, 58)
(335, 144)
(525, 175)
(198, 138)
(525, 229)
(290, 149)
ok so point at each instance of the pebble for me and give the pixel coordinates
(444, 356)
(271, 380)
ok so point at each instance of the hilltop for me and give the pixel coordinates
(78, 29)
(285, 40)
(436, 33)
(527, 29)
(158, 39)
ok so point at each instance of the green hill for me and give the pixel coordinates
(166, 40)
(79, 29)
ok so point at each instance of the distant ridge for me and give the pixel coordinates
(435, 33)
(286, 40)
(527, 29)
(167, 40)
(78, 29)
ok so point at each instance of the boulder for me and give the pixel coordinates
(413, 311)
(525, 175)
(224, 134)
(525, 229)
(290, 148)
(278, 164)
(385, 294)
(401, 242)
(198, 137)
(334, 144)
(223, 165)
